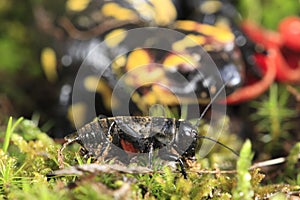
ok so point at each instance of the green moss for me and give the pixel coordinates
(292, 159)
(31, 155)
(268, 12)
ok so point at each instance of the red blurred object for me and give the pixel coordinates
(266, 38)
(282, 62)
(289, 29)
(255, 89)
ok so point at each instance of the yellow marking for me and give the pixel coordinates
(165, 12)
(138, 99)
(199, 39)
(210, 7)
(164, 95)
(160, 12)
(145, 10)
(106, 93)
(77, 5)
(118, 63)
(135, 97)
(185, 25)
(188, 41)
(174, 60)
(142, 76)
(159, 95)
(150, 98)
(138, 58)
(93, 84)
(77, 113)
(221, 34)
(116, 11)
(115, 37)
(223, 24)
(48, 61)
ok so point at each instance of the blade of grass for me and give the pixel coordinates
(9, 130)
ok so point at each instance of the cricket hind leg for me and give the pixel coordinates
(173, 157)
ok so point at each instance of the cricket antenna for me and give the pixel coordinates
(210, 103)
(204, 112)
(223, 145)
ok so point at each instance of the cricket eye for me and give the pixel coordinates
(194, 132)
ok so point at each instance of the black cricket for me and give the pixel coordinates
(172, 139)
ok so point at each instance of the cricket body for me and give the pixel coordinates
(172, 139)
(125, 136)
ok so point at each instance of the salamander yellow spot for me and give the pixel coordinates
(150, 98)
(116, 11)
(49, 62)
(164, 96)
(94, 84)
(199, 39)
(219, 33)
(186, 25)
(106, 93)
(162, 17)
(210, 7)
(91, 83)
(175, 60)
(118, 63)
(145, 9)
(77, 5)
(188, 41)
(77, 113)
(138, 58)
(136, 97)
(115, 37)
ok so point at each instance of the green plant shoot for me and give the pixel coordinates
(244, 189)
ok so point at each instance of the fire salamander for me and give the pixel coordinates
(100, 36)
